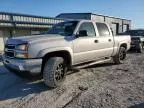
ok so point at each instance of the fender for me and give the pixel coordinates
(43, 52)
(123, 43)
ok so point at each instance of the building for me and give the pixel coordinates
(118, 25)
(14, 24)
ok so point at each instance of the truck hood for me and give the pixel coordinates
(33, 39)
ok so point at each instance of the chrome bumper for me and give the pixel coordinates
(23, 65)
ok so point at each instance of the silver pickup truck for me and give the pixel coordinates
(66, 45)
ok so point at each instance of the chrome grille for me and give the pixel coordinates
(9, 50)
(11, 47)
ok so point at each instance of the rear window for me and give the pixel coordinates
(102, 29)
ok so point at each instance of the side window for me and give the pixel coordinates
(88, 26)
(102, 29)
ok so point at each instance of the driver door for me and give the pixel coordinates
(84, 45)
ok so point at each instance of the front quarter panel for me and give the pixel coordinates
(40, 49)
(43, 52)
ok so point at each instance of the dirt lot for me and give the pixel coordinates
(99, 86)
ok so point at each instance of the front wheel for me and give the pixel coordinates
(120, 56)
(54, 71)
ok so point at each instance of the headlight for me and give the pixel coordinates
(21, 51)
(22, 47)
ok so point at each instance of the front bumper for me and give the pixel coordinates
(33, 66)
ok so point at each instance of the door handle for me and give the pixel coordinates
(96, 41)
(109, 40)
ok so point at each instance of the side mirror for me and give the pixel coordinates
(82, 33)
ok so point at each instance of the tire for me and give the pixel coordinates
(54, 72)
(140, 48)
(120, 56)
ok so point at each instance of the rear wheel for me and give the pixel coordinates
(54, 71)
(121, 56)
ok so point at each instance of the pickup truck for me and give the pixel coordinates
(66, 45)
(137, 39)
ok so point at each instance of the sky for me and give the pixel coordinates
(128, 9)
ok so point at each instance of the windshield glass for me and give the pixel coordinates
(64, 28)
(135, 32)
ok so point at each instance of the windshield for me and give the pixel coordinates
(135, 32)
(64, 28)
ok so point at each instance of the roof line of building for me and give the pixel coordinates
(97, 15)
(111, 16)
(25, 22)
(28, 15)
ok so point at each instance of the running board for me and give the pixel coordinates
(91, 63)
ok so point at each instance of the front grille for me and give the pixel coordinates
(9, 50)
(9, 54)
(10, 47)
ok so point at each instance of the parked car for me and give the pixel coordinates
(66, 45)
(137, 39)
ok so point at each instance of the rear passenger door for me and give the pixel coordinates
(105, 40)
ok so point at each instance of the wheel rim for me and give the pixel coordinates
(122, 55)
(59, 72)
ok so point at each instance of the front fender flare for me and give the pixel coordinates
(43, 52)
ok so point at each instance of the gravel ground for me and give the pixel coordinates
(99, 86)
